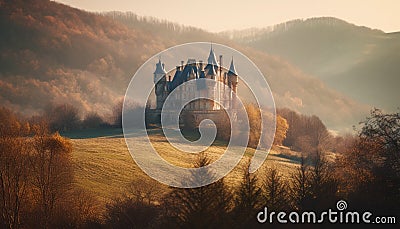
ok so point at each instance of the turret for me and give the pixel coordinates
(212, 65)
(160, 82)
(232, 83)
(232, 77)
(160, 71)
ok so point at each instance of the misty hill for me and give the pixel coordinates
(357, 61)
(52, 53)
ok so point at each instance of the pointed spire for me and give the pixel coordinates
(232, 69)
(160, 68)
(212, 59)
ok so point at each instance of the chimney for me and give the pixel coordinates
(182, 64)
(220, 65)
(201, 65)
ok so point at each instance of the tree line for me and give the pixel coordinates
(297, 131)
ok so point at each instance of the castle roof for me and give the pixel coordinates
(160, 68)
(191, 69)
(212, 59)
(211, 70)
(182, 76)
(202, 75)
(232, 69)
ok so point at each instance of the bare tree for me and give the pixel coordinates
(92, 120)
(14, 168)
(62, 117)
(51, 172)
(145, 191)
(372, 165)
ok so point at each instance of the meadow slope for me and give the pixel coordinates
(104, 167)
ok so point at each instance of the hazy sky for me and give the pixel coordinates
(221, 15)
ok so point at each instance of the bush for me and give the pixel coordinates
(92, 120)
(63, 117)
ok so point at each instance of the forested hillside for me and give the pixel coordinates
(358, 61)
(52, 53)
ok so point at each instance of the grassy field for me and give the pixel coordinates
(104, 166)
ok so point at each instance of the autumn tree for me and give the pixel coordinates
(293, 120)
(36, 178)
(52, 177)
(371, 166)
(254, 116)
(14, 168)
(306, 133)
(281, 130)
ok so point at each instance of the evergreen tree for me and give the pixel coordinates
(202, 207)
(275, 191)
(248, 200)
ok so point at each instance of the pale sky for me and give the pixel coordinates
(216, 16)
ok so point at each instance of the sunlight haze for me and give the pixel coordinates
(216, 16)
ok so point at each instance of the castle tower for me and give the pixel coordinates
(232, 83)
(160, 82)
(212, 65)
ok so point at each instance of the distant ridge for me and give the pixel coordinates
(360, 62)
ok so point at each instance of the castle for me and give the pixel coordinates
(198, 109)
